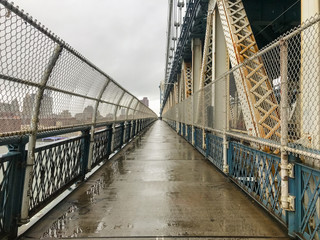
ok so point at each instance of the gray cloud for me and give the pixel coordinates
(126, 38)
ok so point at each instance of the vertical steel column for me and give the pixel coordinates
(129, 124)
(110, 128)
(33, 135)
(284, 125)
(122, 133)
(226, 128)
(85, 148)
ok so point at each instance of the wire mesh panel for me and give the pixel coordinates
(72, 74)
(125, 100)
(258, 173)
(208, 108)
(60, 110)
(15, 107)
(254, 106)
(303, 90)
(106, 112)
(56, 167)
(188, 111)
(236, 118)
(47, 89)
(33, 59)
(25, 51)
(269, 100)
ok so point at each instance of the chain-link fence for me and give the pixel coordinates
(45, 84)
(48, 90)
(252, 107)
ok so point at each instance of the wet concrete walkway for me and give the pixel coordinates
(159, 187)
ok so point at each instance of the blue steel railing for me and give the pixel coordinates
(214, 149)
(102, 145)
(198, 139)
(183, 130)
(307, 185)
(127, 132)
(57, 166)
(10, 187)
(118, 137)
(189, 133)
(258, 174)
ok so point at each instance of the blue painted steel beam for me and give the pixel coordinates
(196, 13)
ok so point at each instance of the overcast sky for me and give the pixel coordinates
(124, 38)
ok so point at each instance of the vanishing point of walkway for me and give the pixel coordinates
(158, 187)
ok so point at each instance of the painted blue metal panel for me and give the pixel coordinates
(56, 167)
(258, 173)
(118, 135)
(198, 140)
(307, 201)
(100, 146)
(189, 132)
(215, 150)
(184, 130)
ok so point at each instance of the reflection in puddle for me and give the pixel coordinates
(58, 228)
(95, 190)
(68, 224)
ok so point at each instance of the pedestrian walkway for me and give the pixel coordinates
(158, 187)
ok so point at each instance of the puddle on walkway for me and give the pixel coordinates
(166, 191)
(69, 224)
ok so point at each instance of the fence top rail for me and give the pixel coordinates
(8, 157)
(53, 37)
(310, 22)
(53, 79)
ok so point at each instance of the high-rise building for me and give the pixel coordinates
(145, 101)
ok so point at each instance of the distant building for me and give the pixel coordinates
(46, 106)
(10, 110)
(145, 101)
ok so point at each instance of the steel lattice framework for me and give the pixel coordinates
(258, 102)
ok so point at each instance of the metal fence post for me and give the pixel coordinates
(110, 134)
(113, 129)
(193, 134)
(133, 128)
(139, 126)
(226, 128)
(16, 182)
(294, 190)
(90, 154)
(129, 131)
(207, 143)
(33, 135)
(85, 142)
(285, 200)
(94, 121)
(122, 134)
(230, 155)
